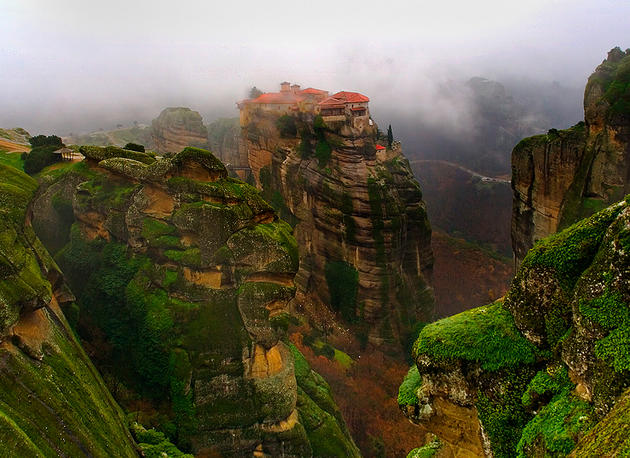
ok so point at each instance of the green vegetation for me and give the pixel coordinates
(21, 279)
(127, 298)
(610, 436)
(390, 136)
(12, 159)
(526, 411)
(134, 147)
(287, 126)
(343, 282)
(321, 348)
(201, 156)
(99, 153)
(546, 383)
(52, 400)
(611, 312)
(160, 234)
(501, 411)
(254, 92)
(155, 444)
(571, 251)
(318, 413)
(190, 257)
(427, 451)
(407, 392)
(323, 152)
(485, 335)
(558, 424)
(41, 153)
(617, 90)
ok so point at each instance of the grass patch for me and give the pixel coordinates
(12, 160)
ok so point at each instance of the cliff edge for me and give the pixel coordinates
(544, 372)
(53, 402)
(360, 221)
(566, 175)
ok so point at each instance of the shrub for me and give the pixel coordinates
(286, 126)
(343, 282)
(135, 147)
(39, 158)
(43, 140)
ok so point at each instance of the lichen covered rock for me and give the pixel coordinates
(52, 400)
(184, 274)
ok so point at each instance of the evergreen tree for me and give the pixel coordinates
(390, 136)
(254, 92)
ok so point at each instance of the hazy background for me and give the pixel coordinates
(78, 65)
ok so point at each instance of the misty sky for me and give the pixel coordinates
(77, 65)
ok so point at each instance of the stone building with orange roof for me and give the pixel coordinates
(342, 107)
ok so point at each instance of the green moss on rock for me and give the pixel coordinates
(485, 335)
(325, 427)
(407, 392)
(610, 436)
(52, 400)
(426, 451)
(100, 153)
(202, 157)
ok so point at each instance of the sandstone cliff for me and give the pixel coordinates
(360, 222)
(176, 128)
(52, 400)
(545, 371)
(566, 175)
(183, 276)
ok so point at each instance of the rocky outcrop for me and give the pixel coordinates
(360, 222)
(544, 371)
(183, 276)
(52, 400)
(563, 176)
(176, 128)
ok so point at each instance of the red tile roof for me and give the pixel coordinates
(351, 97)
(337, 100)
(276, 97)
(312, 90)
(332, 102)
(379, 147)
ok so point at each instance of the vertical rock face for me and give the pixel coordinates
(360, 222)
(566, 175)
(52, 400)
(186, 274)
(176, 128)
(545, 372)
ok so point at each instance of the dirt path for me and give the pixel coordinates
(12, 147)
(460, 167)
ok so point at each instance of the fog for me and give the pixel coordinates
(77, 65)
